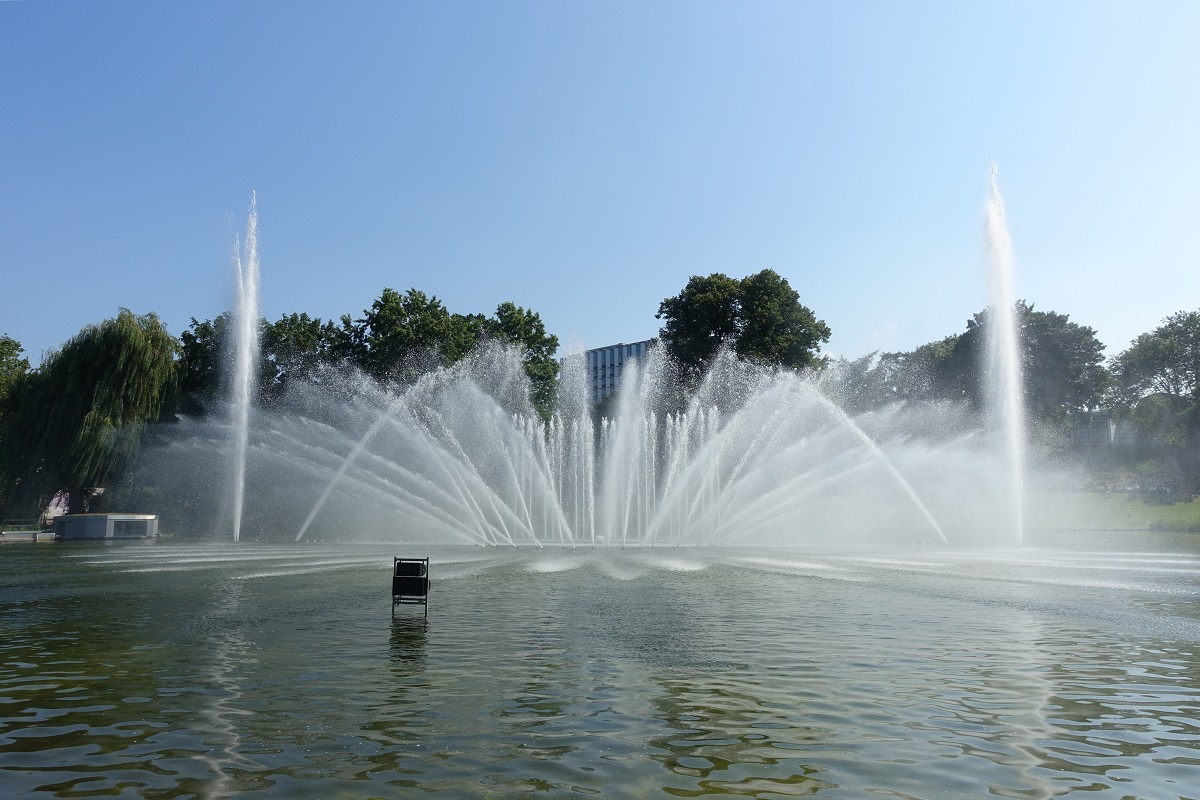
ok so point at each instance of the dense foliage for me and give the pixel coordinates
(759, 316)
(1062, 366)
(1157, 380)
(12, 367)
(76, 421)
(397, 339)
(1062, 363)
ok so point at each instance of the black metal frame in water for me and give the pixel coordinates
(410, 583)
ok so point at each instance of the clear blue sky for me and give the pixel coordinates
(584, 158)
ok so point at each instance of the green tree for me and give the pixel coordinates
(775, 327)
(1062, 363)
(403, 335)
(294, 348)
(76, 421)
(12, 369)
(523, 328)
(759, 316)
(1157, 380)
(924, 373)
(12, 365)
(700, 319)
(399, 334)
(202, 352)
(876, 379)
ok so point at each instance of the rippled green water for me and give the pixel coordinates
(162, 671)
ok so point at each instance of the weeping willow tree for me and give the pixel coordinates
(74, 424)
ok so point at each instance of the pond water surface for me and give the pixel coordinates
(171, 670)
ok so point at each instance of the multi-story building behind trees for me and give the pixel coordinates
(606, 365)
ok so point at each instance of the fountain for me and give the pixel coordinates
(245, 361)
(740, 670)
(1005, 396)
(754, 456)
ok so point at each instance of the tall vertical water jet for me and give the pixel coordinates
(245, 358)
(1005, 391)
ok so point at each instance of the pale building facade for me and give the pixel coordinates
(606, 365)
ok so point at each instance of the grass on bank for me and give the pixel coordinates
(20, 526)
(1111, 511)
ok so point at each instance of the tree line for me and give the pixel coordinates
(401, 336)
(1153, 384)
(74, 423)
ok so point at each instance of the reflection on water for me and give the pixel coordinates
(176, 671)
(230, 658)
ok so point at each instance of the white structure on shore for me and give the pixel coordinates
(106, 526)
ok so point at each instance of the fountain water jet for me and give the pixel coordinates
(1005, 395)
(742, 458)
(245, 361)
(754, 456)
(337, 476)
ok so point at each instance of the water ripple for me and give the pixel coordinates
(281, 672)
